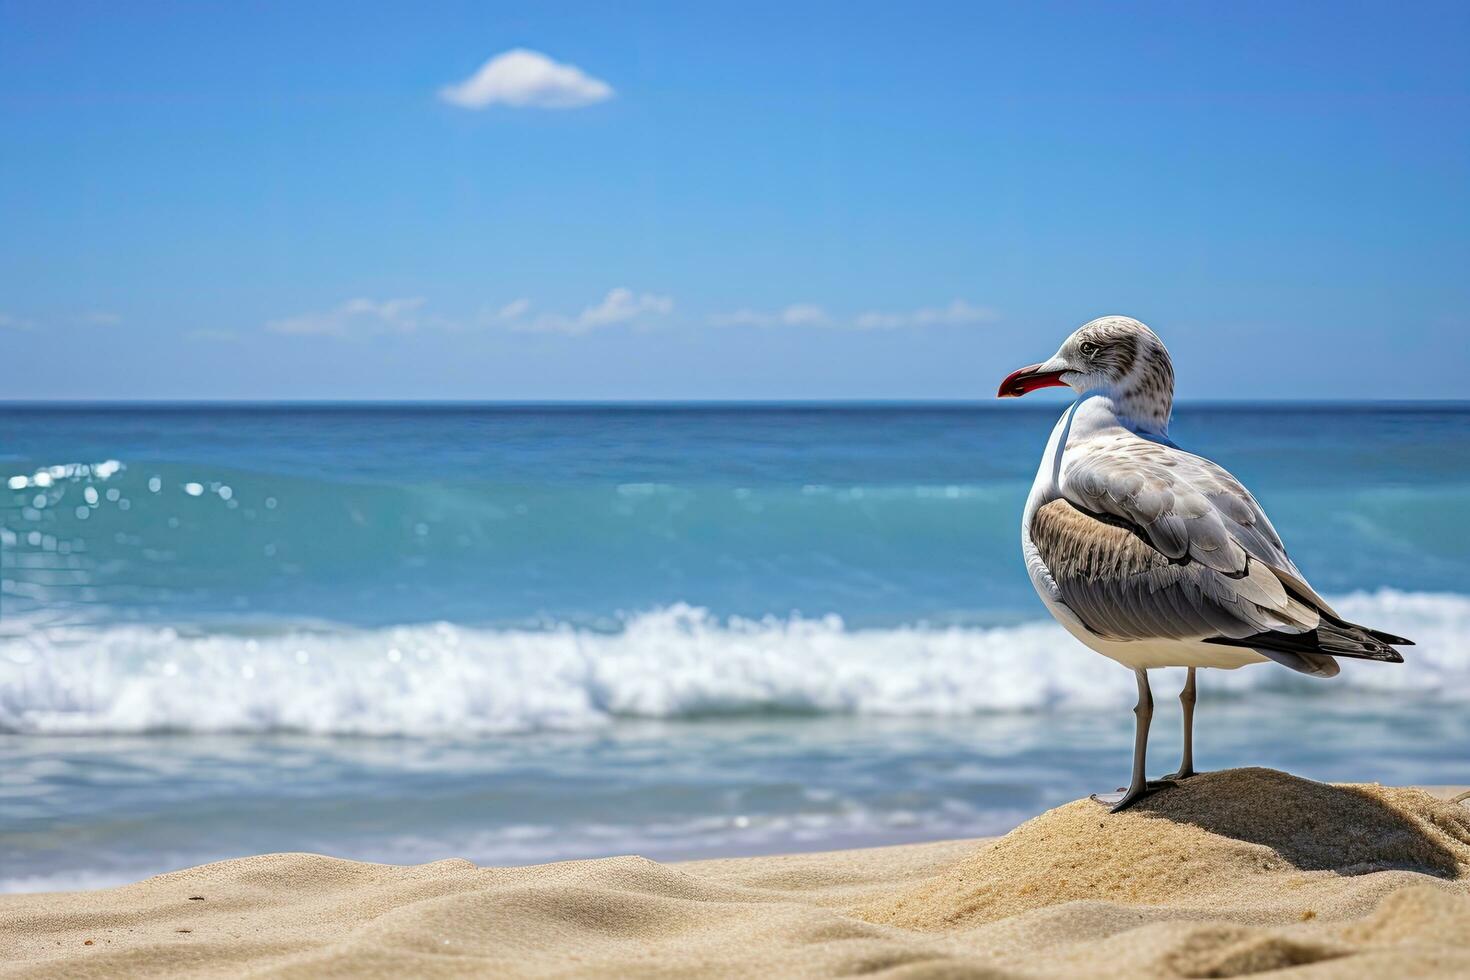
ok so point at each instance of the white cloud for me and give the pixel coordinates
(804, 315)
(507, 314)
(366, 317)
(513, 310)
(795, 315)
(526, 79)
(957, 313)
(356, 316)
(620, 305)
(92, 318)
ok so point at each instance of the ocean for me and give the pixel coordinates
(522, 633)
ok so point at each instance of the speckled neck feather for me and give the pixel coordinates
(1143, 389)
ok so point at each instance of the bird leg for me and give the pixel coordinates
(1138, 787)
(1186, 699)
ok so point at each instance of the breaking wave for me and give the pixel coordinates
(676, 662)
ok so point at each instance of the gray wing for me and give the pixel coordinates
(1186, 506)
(1124, 588)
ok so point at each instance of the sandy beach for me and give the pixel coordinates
(1231, 873)
(728, 490)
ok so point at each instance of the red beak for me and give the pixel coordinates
(1017, 383)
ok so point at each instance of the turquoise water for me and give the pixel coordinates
(534, 632)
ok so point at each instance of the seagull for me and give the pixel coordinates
(1153, 556)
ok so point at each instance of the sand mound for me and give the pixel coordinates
(1231, 874)
(1262, 845)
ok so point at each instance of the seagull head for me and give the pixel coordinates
(1115, 356)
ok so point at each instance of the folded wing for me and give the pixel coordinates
(1151, 542)
(1124, 588)
(1184, 505)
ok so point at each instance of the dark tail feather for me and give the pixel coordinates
(1348, 640)
(1343, 624)
(1333, 638)
(1383, 637)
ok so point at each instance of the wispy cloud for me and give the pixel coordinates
(795, 315)
(358, 318)
(91, 318)
(956, 313)
(353, 318)
(526, 79)
(619, 306)
(511, 311)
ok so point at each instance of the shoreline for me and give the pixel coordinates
(1239, 869)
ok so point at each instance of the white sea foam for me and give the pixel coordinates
(675, 662)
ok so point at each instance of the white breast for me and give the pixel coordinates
(1044, 489)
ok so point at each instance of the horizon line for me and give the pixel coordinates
(999, 404)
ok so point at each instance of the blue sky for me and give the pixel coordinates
(816, 200)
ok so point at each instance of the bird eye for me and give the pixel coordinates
(1089, 349)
